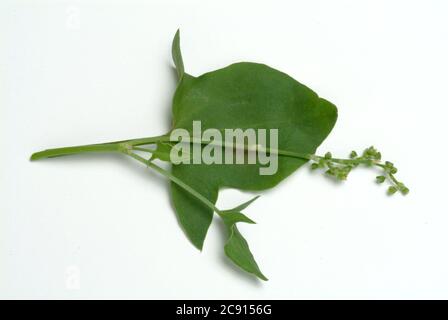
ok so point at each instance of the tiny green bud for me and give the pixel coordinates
(380, 179)
(391, 190)
(322, 163)
(404, 190)
(389, 164)
(353, 154)
(328, 155)
(371, 153)
(341, 176)
(365, 153)
(314, 166)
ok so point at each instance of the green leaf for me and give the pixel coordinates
(177, 55)
(246, 95)
(238, 251)
(236, 247)
(232, 217)
(193, 215)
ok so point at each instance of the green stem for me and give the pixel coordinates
(148, 140)
(132, 143)
(125, 147)
(280, 152)
(101, 147)
(58, 152)
(176, 180)
(346, 161)
(392, 177)
(389, 174)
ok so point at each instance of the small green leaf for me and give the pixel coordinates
(236, 247)
(232, 217)
(162, 151)
(380, 179)
(391, 190)
(238, 251)
(177, 55)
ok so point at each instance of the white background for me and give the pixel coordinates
(77, 72)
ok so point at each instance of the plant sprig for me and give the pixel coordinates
(242, 95)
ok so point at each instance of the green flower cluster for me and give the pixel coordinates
(340, 168)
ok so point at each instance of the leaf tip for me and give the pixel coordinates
(177, 55)
(262, 277)
(197, 244)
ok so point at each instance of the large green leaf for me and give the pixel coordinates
(243, 95)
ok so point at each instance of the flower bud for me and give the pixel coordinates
(404, 190)
(389, 164)
(380, 179)
(391, 190)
